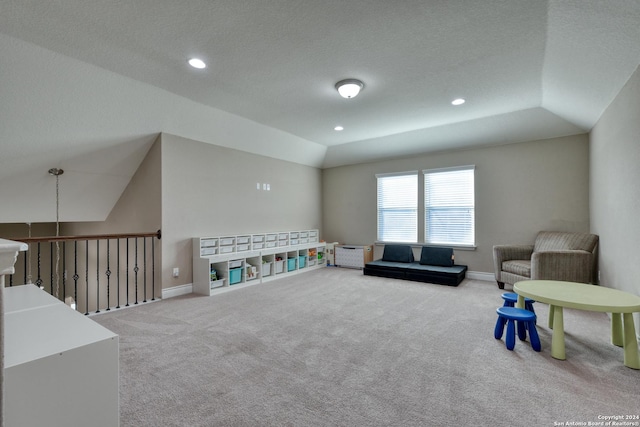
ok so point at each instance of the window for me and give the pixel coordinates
(449, 206)
(398, 207)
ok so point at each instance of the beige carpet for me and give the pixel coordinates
(335, 348)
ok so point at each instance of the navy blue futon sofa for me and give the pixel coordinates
(436, 265)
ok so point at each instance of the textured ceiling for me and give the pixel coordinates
(83, 77)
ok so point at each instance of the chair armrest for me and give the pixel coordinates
(569, 266)
(502, 253)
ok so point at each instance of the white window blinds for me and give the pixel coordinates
(449, 205)
(398, 207)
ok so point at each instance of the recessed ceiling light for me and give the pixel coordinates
(197, 63)
(458, 101)
(338, 128)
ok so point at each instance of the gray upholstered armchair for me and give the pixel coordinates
(555, 255)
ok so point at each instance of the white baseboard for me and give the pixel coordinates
(480, 275)
(177, 291)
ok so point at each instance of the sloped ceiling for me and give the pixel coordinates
(87, 85)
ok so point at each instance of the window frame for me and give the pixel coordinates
(428, 209)
(380, 237)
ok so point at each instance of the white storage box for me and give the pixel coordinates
(217, 283)
(208, 251)
(266, 269)
(235, 263)
(243, 240)
(353, 256)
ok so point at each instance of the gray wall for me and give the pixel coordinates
(615, 195)
(138, 209)
(209, 190)
(520, 189)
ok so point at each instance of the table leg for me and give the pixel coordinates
(631, 358)
(616, 329)
(520, 302)
(551, 311)
(557, 338)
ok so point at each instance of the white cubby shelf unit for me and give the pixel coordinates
(231, 262)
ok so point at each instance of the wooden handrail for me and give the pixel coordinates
(86, 237)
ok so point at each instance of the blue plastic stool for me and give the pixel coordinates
(511, 298)
(526, 321)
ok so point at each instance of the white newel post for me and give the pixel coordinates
(8, 254)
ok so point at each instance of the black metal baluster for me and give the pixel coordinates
(144, 266)
(118, 276)
(108, 273)
(52, 267)
(39, 280)
(86, 278)
(98, 276)
(26, 268)
(75, 273)
(153, 269)
(127, 305)
(135, 270)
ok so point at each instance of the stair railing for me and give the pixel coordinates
(94, 272)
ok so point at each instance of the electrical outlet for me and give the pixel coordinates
(176, 272)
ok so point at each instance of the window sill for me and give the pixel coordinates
(420, 245)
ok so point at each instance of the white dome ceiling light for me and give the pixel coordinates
(349, 88)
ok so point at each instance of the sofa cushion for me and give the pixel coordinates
(565, 241)
(397, 253)
(431, 255)
(519, 267)
(451, 276)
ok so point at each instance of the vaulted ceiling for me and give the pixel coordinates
(87, 85)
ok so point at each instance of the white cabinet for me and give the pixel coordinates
(61, 368)
(249, 259)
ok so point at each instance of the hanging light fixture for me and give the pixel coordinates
(349, 88)
(57, 172)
